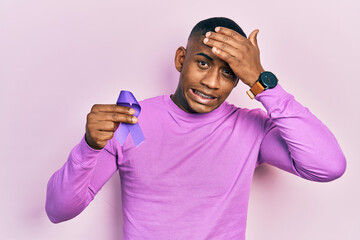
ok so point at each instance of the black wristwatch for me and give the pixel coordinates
(266, 80)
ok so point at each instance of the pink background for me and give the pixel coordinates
(59, 57)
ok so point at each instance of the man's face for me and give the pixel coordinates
(205, 80)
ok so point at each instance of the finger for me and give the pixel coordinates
(220, 45)
(253, 38)
(223, 39)
(119, 117)
(224, 55)
(111, 116)
(106, 126)
(112, 108)
(102, 136)
(229, 32)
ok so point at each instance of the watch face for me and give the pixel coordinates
(268, 80)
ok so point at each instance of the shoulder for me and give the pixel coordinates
(245, 112)
(256, 115)
(154, 104)
(153, 101)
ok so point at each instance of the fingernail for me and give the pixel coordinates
(131, 111)
(206, 40)
(208, 34)
(134, 119)
(217, 29)
(215, 50)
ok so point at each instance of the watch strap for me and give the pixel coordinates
(255, 90)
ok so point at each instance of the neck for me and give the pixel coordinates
(180, 101)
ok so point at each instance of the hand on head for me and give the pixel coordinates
(242, 54)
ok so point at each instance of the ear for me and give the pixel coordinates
(179, 58)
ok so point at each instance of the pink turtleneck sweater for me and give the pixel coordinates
(191, 177)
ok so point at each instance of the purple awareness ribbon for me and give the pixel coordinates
(127, 99)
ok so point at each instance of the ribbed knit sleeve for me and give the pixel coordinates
(73, 187)
(298, 142)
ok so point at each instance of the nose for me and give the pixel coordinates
(211, 80)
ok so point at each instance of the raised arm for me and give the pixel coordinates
(91, 163)
(297, 141)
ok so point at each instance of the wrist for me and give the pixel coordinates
(255, 77)
(266, 80)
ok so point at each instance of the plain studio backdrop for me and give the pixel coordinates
(59, 57)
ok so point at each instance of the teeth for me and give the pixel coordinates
(203, 95)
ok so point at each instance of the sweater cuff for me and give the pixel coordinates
(84, 155)
(274, 98)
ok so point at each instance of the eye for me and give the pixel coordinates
(203, 64)
(229, 73)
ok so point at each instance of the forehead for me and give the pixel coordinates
(195, 46)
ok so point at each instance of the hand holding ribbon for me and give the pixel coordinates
(127, 99)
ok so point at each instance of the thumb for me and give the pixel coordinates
(253, 38)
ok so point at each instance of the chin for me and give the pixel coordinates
(199, 108)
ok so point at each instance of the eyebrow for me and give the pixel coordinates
(205, 55)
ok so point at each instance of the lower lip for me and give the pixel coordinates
(201, 99)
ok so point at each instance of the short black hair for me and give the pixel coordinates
(204, 26)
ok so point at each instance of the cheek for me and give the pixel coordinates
(227, 87)
(191, 76)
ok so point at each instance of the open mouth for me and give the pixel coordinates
(202, 95)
